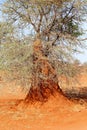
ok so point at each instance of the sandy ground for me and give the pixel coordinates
(56, 114)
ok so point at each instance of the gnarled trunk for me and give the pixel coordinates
(44, 78)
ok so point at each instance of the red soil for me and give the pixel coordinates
(56, 114)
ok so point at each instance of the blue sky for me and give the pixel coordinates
(83, 56)
(1, 1)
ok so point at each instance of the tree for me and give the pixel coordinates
(6, 32)
(55, 26)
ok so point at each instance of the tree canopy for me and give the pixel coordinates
(55, 22)
(56, 27)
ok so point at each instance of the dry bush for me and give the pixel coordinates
(16, 58)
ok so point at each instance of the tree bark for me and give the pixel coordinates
(44, 78)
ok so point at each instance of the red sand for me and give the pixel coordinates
(56, 114)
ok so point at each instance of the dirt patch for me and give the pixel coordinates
(58, 113)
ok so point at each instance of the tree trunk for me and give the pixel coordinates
(44, 78)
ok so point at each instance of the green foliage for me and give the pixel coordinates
(74, 29)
